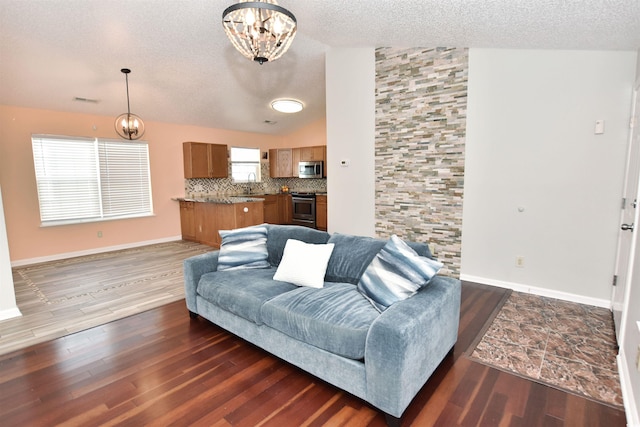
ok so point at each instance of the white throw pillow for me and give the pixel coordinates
(304, 264)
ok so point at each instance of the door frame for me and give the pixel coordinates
(631, 260)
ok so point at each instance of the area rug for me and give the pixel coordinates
(58, 298)
(561, 344)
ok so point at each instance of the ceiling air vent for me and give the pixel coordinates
(89, 100)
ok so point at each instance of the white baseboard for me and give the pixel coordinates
(630, 408)
(56, 257)
(9, 314)
(518, 287)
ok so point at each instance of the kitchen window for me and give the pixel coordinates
(245, 164)
(89, 179)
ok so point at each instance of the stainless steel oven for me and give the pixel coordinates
(304, 209)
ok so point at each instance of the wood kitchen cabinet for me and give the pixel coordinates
(281, 163)
(203, 160)
(285, 209)
(296, 158)
(187, 221)
(324, 166)
(321, 212)
(207, 224)
(312, 154)
(202, 221)
(277, 208)
(271, 209)
(247, 214)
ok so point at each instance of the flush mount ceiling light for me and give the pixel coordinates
(259, 30)
(287, 105)
(129, 126)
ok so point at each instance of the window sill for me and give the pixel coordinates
(90, 220)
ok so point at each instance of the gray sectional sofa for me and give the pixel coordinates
(334, 332)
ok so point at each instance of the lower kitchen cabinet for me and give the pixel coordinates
(187, 221)
(271, 214)
(203, 221)
(277, 208)
(247, 214)
(285, 212)
(207, 227)
(321, 212)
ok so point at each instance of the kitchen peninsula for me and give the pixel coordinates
(201, 219)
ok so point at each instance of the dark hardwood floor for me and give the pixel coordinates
(162, 368)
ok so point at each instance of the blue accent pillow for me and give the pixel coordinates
(243, 248)
(396, 273)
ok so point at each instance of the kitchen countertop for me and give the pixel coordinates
(220, 199)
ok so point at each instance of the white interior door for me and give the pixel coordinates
(628, 220)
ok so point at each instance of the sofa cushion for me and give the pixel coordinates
(304, 264)
(242, 292)
(352, 254)
(396, 273)
(279, 234)
(335, 318)
(243, 248)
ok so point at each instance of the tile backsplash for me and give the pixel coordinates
(202, 187)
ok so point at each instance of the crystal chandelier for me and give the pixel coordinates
(259, 30)
(129, 126)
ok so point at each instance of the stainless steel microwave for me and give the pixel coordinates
(310, 170)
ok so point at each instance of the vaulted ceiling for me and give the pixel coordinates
(184, 69)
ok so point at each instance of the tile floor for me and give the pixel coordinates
(563, 344)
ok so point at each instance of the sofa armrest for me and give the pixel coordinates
(194, 268)
(408, 341)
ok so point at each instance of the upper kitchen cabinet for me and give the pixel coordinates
(312, 154)
(202, 160)
(324, 168)
(281, 163)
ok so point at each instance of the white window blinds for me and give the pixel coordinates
(82, 179)
(125, 183)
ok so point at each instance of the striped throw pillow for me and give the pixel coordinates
(396, 273)
(243, 248)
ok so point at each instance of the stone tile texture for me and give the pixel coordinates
(421, 107)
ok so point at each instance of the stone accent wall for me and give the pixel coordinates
(421, 106)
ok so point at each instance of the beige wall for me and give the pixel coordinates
(28, 241)
(308, 136)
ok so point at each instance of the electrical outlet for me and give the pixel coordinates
(99, 233)
(520, 261)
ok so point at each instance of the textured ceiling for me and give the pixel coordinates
(184, 69)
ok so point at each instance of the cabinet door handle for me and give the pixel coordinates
(246, 209)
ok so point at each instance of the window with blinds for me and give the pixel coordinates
(84, 180)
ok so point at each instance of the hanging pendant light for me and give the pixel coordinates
(129, 126)
(260, 30)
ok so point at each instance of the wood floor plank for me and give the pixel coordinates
(160, 367)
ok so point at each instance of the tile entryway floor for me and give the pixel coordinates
(563, 344)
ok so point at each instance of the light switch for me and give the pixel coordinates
(599, 130)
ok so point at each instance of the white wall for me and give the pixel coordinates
(8, 307)
(531, 145)
(350, 92)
